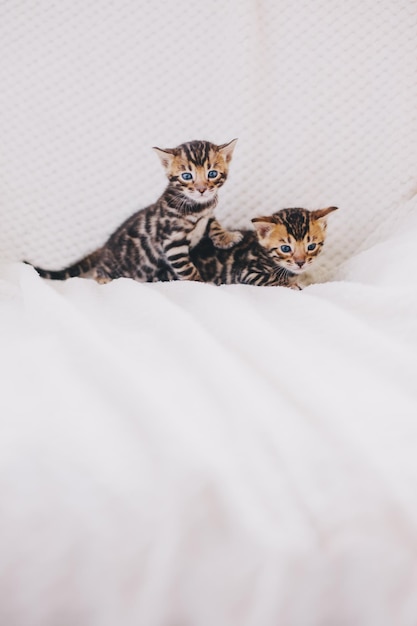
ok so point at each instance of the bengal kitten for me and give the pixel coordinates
(282, 246)
(154, 243)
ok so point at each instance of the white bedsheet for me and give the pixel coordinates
(179, 454)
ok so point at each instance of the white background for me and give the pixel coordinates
(322, 96)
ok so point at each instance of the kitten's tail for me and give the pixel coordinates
(81, 268)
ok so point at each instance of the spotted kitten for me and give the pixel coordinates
(154, 243)
(281, 247)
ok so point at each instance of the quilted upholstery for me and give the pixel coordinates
(322, 96)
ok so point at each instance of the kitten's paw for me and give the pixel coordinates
(101, 277)
(296, 287)
(194, 276)
(103, 280)
(226, 239)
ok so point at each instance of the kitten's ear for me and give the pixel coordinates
(226, 149)
(263, 225)
(165, 156)
(320, 213)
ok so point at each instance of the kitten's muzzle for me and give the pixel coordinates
(297, 267)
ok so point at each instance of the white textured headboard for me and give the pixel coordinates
(322, 96)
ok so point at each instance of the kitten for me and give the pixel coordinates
(155, 242)
(283, 246)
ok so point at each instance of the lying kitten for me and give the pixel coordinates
(156, 240)
(282, 246)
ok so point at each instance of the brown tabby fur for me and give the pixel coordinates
(154, 243)
(259, 259)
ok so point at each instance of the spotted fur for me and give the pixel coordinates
(154, 243)
(259, 259)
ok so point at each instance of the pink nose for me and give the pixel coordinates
(201, 188)
(300, 263)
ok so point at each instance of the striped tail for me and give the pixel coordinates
(81, 268)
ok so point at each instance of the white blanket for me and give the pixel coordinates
(179, 454)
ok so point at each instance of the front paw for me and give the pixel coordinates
(194, 276)
(295, 286)
(101, 277)
(226, 240)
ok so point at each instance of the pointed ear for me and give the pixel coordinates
(165, 156)
(226, 149)
(320, 213)
(263, 225)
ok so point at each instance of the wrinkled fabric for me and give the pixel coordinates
(180, 453)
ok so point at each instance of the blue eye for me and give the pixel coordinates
(212, 174)
(286, 249)
(186, 176)
(311, 246)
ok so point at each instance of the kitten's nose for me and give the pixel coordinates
(300, 263)
(201, 188)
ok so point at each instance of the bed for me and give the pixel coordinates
(182, 454)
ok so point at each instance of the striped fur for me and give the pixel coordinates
(259, 259)
(154, 243)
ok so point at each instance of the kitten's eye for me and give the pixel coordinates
(212, 174)
(311, 246)
(186, 176)
(286, 249)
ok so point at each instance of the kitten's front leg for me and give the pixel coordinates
(254, 276)
(222, 238)
(177, 253)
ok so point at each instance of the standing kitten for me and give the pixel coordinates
(282, 246)
(155, 242)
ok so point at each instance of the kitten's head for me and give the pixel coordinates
(198, 168)
(293, 237)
